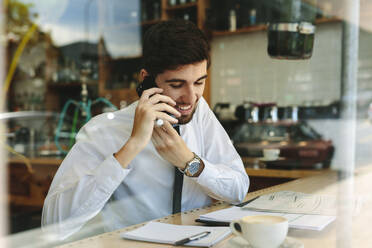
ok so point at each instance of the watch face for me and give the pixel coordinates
(193, 167)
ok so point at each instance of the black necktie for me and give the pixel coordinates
(177, 186)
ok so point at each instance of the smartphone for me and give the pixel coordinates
(148, 83)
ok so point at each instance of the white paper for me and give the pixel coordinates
(298, 203)
(299, 221)
(168, 234)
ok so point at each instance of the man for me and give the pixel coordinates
(123, 165)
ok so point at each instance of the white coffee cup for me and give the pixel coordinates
(271, 154)
(261, 231)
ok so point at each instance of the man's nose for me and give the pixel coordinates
(189, 94)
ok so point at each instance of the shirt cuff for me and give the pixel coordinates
(110, 174)
(206, 174)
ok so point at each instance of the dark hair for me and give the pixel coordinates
(170, 44)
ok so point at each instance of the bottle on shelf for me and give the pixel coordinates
(294, 113)
(327, 9)
(143, 11)
(255, 114)
(172, 2)
(232, 20)
(150, 10)
(156, 9)
(274, 114)
(252, 17)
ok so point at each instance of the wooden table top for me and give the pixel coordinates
(346, 231)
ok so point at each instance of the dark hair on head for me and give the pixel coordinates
(170, 44)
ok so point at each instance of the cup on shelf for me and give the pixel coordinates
(271, 154)
(261, 231)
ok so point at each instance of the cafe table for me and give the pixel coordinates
(348, 230)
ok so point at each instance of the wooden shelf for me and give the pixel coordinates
(37, 202)
(327, 20)
(181, 6)
(128, 57)
(241, 30)
(263, 27)
(283, 173)
(277, 173)
(55, 161)
(150, 22)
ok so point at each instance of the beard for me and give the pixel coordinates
(186, 118)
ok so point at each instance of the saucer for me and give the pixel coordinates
(263, 159)
(239, 242)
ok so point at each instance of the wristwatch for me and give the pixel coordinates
(192, 167)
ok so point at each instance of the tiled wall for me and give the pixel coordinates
(241, 70)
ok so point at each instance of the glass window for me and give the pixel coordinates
(288, 75)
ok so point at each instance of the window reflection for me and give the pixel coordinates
(68, 61)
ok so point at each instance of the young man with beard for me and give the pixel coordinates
(123, 165)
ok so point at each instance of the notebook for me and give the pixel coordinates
(168, 234)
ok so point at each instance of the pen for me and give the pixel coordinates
(192, 238)
(246, 202)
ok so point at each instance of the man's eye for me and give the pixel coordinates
(176, 86)
(199, 82)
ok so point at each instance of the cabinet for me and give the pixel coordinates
(30, 189)
(27, 191)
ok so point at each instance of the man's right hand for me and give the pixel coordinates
(151, 106)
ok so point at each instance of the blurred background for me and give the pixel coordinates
(287, 75)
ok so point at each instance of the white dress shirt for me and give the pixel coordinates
(91, 180)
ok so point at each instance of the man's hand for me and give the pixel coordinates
(171, 146)
(151, 106)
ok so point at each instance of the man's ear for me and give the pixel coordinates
(143, 73)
